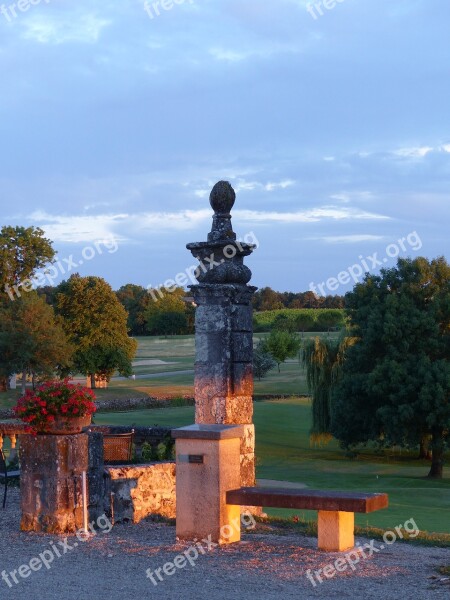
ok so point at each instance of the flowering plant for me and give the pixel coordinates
(53, 400)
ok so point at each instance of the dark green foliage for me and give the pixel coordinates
(163, 451)
(283, 323)
(323, 359)
(329, 319)
(168, 323)
(96, 324)
(23, 251)
(135, 300)
(168, 313)
(263, 361)
(32, 339)
(304, 319)
(395, 385)
(281, 345)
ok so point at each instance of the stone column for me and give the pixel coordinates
(207, 468)
(50, 482)
(224, 329)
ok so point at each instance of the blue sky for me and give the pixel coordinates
(334, 131)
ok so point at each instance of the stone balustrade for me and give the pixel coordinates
(11, 430)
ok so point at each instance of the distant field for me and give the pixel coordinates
(175, 354)
(284, 453)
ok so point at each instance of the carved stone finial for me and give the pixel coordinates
(222, 197)
(222, 257)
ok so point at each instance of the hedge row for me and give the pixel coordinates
(264, 321)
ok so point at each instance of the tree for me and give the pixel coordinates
(170, 323)
(329, 318)
(283, 323)
(164, 301)
(304, 321)
(32, 339)
(96, 324)
(282, 345)
(395, 385)
(323, 359)
(263, 361)
(135, 300)
(267, 299)
(23, 251)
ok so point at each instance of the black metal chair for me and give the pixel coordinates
(5, 475)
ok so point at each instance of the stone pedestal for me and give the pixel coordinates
(335, 530)
(224, 329)
(207, 466)
(51, 482)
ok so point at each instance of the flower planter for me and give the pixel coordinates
(65, 425)
(56, 407)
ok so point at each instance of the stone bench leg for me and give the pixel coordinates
(336, 530)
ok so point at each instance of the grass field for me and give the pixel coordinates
(284, 453)
(174, 354)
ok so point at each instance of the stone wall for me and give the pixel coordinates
(142, 490)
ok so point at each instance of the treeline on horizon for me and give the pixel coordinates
(166, 312)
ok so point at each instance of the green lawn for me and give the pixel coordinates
(177, 353)
(284, 453)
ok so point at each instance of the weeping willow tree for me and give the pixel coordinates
(323, 359)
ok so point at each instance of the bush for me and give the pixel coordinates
(303, 319)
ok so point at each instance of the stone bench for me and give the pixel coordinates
(336, 519)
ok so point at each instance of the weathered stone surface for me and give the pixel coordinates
(50, 483)
(201, 488)
(224, 327)
(97, 483)
(242, 379)
(242, 318)
(143, 490)
(242, 347)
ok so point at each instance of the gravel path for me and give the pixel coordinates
(263, 566)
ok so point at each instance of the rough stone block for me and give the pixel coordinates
(212, 348)
(242, 347)
(242, 318)
(201, 489)
(242, 379)
(211, 318)
(335, 530)
(248, 439)
(51, 482)
(143, 490)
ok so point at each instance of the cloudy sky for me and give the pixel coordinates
(333, 128)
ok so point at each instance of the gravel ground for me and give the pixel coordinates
(264, 565)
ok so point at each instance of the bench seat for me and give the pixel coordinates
(336, 519)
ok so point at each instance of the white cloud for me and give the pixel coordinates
(60, 28)
(74, 229)
(270, 187)
(85, 228)
(309, 216)
(348, 239)
(413, 151)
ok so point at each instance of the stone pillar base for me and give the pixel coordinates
(51, 482)
(336, 530)
(208, 458)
